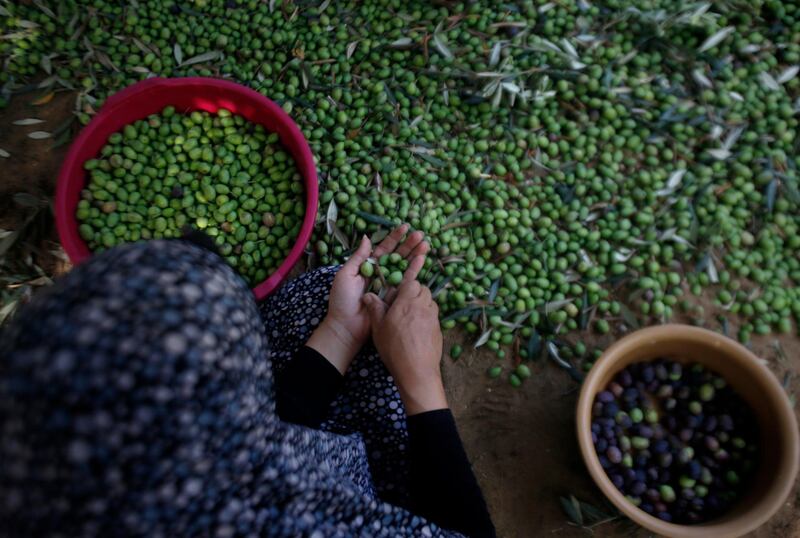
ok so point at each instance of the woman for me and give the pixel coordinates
(137, 398)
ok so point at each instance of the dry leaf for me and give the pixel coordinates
(43, 100)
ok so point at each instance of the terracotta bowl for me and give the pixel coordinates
(750, 378)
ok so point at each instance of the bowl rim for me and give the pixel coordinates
(731, 528)
(67, 225)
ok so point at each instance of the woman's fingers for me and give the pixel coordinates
(414, 267)
(421, 249)
(358, 257)
(412, 241)
(391, 241)
(409, 289)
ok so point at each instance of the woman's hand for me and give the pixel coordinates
(347, 325)
(409, 340)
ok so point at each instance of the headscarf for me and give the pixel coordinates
(136, 398)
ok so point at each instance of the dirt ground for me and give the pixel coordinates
(525, 453)
(521, 441)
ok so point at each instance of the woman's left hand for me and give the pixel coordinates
(345, 328)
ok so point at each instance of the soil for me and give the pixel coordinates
(28, 177)
(523, 447)
(521, 441)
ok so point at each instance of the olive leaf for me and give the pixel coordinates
(331, 216)
(483, 338)
(46, 10)
(716, 38)
(586, 312)
(441, 45)
(553, 306)
(377, 219)
(46, 64)
(788, 74)
(569, 48)
(723, 321)
(469, 311)
(177, 52)
(105, 60)
(7, 310)
(772, 190)
(732, 137)
(630, 318)
(719, 154)
(341, 237)
(552, 352)
(544, 8)
(28, 121)
(27, 200)
(701, 78)
(768, 82)
(711, 269)
(493, 290)
(8, 241)
(202, 58)
(594, 515)
(572, 508)
(351, 48)
(4, 154)
(39, 135)
(672, 183)
(494, 55)
(403, 42)
(534, 346)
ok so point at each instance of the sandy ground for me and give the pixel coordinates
(521, 441)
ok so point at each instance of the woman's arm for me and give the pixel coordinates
(443, 486)
(306, 387)
(409, 340)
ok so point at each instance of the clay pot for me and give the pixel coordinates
(779, 443)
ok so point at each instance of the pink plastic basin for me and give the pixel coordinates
(185, 94)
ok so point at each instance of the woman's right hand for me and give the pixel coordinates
(409, 340)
